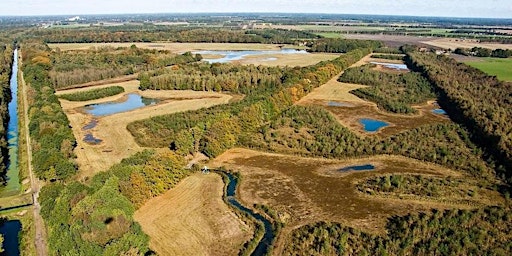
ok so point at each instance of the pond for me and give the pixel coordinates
(90, 125)
(89, 138)
(134, 101)
(12, 186)
(372, 125)
(439, 111)
(228, 56)
(268, 236)
(338, 104)
(10, 231)
(392, 65)
(364, 167)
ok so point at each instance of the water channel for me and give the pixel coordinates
(268, 237)
(13, 185)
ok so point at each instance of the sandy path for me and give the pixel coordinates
(118, 142)
(192, 219)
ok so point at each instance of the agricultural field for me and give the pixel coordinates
(454, 43)
(498, 67)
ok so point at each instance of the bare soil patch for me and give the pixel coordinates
(117, 142)
(192, 219)
(307, 190)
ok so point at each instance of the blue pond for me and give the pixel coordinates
(134, 101)
(338, 104)
(372, 125)
(365, 167)
(89, 138)
(392, 66)
(10, 230)
(228, 56)
(439, 111)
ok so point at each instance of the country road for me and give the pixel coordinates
(40, 230)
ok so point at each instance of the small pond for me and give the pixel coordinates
(90, 125)
(364, 167)
(392, 65)
(439, 111)
(10, 231)
(134, 101)
(372, 125)
(228, 56)
(89, 138)
(338, 104)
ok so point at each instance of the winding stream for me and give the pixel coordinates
(268, 237)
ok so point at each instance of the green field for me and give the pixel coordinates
(495, 66)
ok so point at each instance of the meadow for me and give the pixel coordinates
(498, 67)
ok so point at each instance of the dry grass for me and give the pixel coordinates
(192, 219)
(453, 43)
(118, 143)
(305, 190)
(288, 59)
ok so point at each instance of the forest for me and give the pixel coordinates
(478, 101)
(96, 218)
(392, 92)
(52, 139)
(77, 67)
(438, 232)
(6, 60)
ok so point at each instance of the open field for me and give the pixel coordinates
(288, 59)
(117, 140)
(192, 219)
(454, 43)
(306, 190)
(499, 67)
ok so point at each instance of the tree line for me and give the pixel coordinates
(482, 103)
(438, 232)
(52, 139)
(6, 61)
(76, 67)
(341, 46)
(392, 92)
(484, 52)
(93, 94)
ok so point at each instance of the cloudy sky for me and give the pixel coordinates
(449, 8)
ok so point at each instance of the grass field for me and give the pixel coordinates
(192, 219)
(304, 190)
(501, 68)
(118, 143)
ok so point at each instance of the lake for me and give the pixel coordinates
(229, 56)
(372, 125)
(133, 101)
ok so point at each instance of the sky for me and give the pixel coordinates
(445, 8)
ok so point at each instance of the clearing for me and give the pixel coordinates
(498, 67)
(306, 190)
(117, 142)
(192, 219)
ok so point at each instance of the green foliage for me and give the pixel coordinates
(392, 92)
(480, 102)
(76, 67)
(52, 138)
(342, 45)
(388, 56)
(93, 94)
(449, 232)
(6, 61)
(98, 219)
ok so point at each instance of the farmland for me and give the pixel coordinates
(495, 67)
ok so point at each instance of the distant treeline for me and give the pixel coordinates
(93, 94)
(52, 139)
(438, 232)
(481, 102)
(151, 33)
(484, 52)
(97, 218)
(6, 61)
(342, 46)
(76, 67)
(392, 92)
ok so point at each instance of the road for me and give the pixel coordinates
(40, 230)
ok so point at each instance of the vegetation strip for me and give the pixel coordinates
(93, 94)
